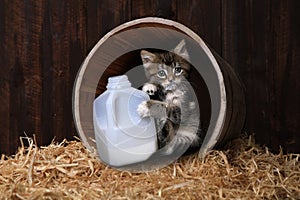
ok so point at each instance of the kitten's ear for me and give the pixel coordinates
(147, 57)
(181, 50)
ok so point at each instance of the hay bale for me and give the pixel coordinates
(68, 170)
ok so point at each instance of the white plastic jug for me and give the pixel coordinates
(122, 136)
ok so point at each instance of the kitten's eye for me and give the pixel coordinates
(161, 74)
(178, 71)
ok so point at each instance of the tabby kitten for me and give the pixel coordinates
(175, 108)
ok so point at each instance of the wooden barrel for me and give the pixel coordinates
(219, 91)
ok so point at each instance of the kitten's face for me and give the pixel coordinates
(167, 69)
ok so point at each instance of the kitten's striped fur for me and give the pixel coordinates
(175, 109)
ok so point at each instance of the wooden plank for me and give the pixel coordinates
(43, 44)
(63, 50)
(245, 40)
(4, 87)
(149, 8)
(284, 59)
(102, 16)
(78, 51)
(203, 17)
(22, 73)
(261, 41)
(29, 59)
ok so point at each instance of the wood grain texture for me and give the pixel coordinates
(4, 86)
(245, 42)
(43, 43)
(22, 72)
(196, 15)
(63, 49)
(165, 9)
(283, 62)
(102, 16)
(261, 41)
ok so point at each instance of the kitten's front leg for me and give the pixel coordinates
(152, 108)
(158, 110)
(186, 137)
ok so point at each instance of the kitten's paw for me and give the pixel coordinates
(152, 108)
(143, 109)
(149, 89)
(174, 98)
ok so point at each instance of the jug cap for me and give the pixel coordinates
(118, 82)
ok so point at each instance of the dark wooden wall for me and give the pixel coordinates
(44, 42)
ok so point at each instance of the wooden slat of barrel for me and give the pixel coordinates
(236, 105)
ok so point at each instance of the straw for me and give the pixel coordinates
(67, 170)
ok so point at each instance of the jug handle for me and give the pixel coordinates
(112, 108)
